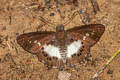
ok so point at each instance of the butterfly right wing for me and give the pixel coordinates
(89, 34)
(83, 38)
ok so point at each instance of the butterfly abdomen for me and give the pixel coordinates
(63, 53)
(61, 41)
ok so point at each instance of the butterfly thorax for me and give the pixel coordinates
(61, 39)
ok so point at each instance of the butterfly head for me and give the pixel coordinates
(60, 27)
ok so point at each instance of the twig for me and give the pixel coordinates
(105, 65)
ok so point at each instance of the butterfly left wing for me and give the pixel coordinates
(43, 44)
(87, 36)
(33, 41)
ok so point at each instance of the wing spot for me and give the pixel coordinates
(84, 37)
(55, 58)
(35, 41)
(29, 41)
(81, 50)
(87, 34)
(83, 46)
(81, 42)
(74, 55)
(39, 44)
(45, 55)
(78, 54)
(92, 33)
(42, 48)
(48, 58)
(42, 52)
(47, 43)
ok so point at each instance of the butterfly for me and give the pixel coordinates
(63, 47)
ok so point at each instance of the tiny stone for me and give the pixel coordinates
(52, 14)
(63, 75)
(109, 71)
(3, 28)
(17, 34)
(1, 41)
(118, 41)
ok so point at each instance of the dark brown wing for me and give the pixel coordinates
(33, 42)
(89, 34)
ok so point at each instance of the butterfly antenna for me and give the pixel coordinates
(47, 22)
(73, 16)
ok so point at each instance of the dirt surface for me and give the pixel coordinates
(23, 16)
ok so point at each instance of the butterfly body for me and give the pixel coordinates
(63, 47)
(62, 41)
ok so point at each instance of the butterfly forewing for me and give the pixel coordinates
(34, 41)
(89, 34)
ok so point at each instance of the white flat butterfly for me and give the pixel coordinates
(63, 47)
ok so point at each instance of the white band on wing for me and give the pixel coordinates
(73, 48)
(52, 51)
(55, 51)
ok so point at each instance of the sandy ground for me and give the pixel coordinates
(22, 16)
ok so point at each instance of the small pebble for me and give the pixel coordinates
(110, 71)
(52, 14)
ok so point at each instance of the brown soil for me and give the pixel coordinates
(22, 16)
